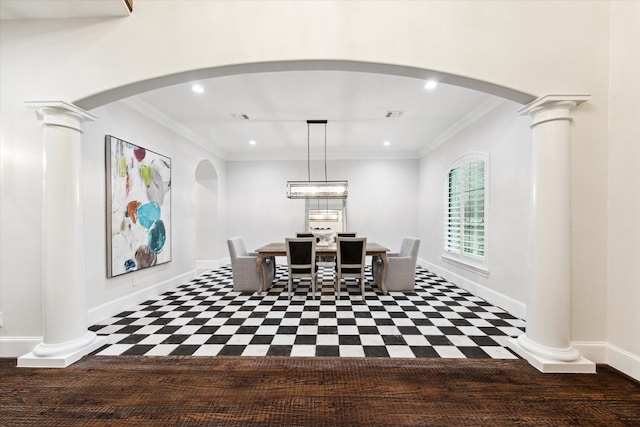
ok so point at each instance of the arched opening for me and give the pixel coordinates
(115, 94)
(206, 215)
(540, 107)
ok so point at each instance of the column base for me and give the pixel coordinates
(548, 364)
(62, 355)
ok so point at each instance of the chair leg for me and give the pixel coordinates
(290, 281)
(362, 286)
(313, 286)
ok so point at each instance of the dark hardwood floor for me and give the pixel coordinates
(251, 391)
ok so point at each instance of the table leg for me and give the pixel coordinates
(385, 263)
(259, 266)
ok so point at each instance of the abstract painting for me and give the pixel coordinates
(138, 207)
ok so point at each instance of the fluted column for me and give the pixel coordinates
(546, 343)
(65, 335)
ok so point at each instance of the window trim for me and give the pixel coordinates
(480, 266)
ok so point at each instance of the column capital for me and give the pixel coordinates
(60, 113)
(552, 107)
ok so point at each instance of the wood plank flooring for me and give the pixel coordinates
(280, 391)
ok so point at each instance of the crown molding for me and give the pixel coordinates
(172, 125)
(470, 118)
(340, 155)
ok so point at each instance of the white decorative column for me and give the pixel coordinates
(546, 342)
(66, 338)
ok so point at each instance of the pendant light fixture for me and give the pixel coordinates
(317, 189)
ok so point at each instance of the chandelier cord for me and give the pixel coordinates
(308, 154)
(325, 163)
(325, 152)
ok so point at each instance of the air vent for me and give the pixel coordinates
(239, 116)
(393, 114)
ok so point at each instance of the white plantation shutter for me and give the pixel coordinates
(454, 212)
(465, 211)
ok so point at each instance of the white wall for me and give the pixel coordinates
(506, 138)
(125, 123)
(381, 204)
(207, 213)
(623, 298)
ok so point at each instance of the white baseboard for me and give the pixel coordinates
(512, 306)
(17, 346)
(609, 354)
(116, 306)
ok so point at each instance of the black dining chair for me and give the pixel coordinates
(350, 261)
(301, 261)
(308, 235)
(346, 234)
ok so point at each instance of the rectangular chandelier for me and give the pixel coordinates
(317, 189)
(331, 215)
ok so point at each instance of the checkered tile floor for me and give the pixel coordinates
(205, 317)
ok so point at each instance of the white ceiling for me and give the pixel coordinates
(279, 104)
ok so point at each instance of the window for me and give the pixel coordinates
(465, 212)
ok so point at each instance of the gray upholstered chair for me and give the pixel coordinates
(401, 271)
(301, 261)
(350, 261)
(245, 271)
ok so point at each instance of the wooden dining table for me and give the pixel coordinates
(280, 249)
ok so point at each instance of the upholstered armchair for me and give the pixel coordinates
(245, 271)
(401, 271)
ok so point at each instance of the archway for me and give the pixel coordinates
(115, 94)
(549, 113)
(206, 214)
(548, 347)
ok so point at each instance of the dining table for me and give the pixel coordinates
(331, 250)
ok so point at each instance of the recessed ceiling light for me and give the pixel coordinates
(239, 116)
(430, 84)
(387, 143)
(393, 114)
(252, 142)
(197, 88)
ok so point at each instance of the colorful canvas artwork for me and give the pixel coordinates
(138, 207)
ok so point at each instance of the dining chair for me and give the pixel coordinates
(350, 261)
(301, 261)
(308, 235)
(246, 276)
(346, 234)
(401, 267)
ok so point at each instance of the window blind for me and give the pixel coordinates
(465, 221)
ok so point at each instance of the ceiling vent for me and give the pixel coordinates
(393, 114)
(239, 116)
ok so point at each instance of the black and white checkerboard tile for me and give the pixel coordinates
(205, 317)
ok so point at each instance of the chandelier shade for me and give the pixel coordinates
(329, 215)
(317, 189)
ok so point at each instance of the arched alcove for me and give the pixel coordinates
(206, 214)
